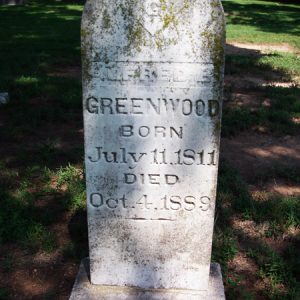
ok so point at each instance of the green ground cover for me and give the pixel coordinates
(263, 21)
(41, 155)
(35, 39)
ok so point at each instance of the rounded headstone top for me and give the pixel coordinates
(154, 30)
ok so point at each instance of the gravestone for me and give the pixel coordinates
(152, 98)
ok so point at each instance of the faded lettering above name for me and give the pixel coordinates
(153, 73)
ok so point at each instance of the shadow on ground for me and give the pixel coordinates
(265, 17)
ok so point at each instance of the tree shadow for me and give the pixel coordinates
(79, 234)
(40, 129)
(265, 17)
(256, 229)
(41, 123)
(260, 92)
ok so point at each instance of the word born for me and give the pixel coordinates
(172, 203)
(158, 106)
(146, 131)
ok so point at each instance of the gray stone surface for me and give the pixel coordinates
(4, 98)
(84, 290)
(152, 97)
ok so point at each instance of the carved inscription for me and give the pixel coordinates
(187, 203)
(153, 132)
(152, 179)
(179, 157)
(156, 73)
(159, 106)
(145, 175)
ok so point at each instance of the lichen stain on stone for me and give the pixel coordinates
(135, 37)
(85, 49)
(169, 15)
(215, 3)
(133, 13)
(83, 33)
(214, 42)
(136, 30)
(218, 55)
(169, 19)
(106, 20)
(217, 129)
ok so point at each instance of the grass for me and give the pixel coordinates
(276, 119)
(275, 269)
(7, 263)
(4, 293)
(270, 22)
(286, 65)
(264, 22)
(31, 48)
(284, 106)
(23, 221)
(279, 270)
(31, 44)
(73, 181)
(41, 172)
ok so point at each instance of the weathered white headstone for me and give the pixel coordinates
(152, 96)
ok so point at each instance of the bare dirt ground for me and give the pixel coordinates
(66, 71)
(256, 153)
(30, 275)
(253, 153)
(235, 48)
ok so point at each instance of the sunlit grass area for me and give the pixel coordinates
(263, 21)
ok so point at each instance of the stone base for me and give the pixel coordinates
(84, 290)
